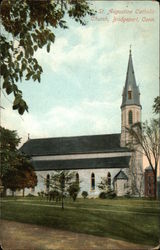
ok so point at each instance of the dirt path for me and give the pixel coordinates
(21, 236)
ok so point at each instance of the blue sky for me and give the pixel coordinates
(83, 75)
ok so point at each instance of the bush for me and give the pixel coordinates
(41, 194)
(128, 195)
(103, 195)
(110, 195)
(30, 195)
(84, 194)
(73, 190)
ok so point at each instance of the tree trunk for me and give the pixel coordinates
(155, 185)
(62, 202)
(23, 192)
(4, 192)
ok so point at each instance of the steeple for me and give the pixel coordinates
(131, 107)
(131, 94)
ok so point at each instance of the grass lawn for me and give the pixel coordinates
(132, 220)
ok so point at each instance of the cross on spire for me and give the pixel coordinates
(130, 86)
(130, 49)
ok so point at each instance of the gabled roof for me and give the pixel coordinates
(73, 145)
(120, 176)
(149, 168)
(111, 162)
(130, 85)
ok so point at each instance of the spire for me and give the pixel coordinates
(131, 94)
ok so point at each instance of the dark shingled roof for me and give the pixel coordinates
(121, 176)
(149, 168)
(130, 84)
(73, 145)
(112, 162)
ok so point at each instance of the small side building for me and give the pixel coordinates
(120, 183)
(149, 182)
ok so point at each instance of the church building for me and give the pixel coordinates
(96, 156)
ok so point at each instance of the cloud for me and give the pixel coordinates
(84, 75)
(86, 118)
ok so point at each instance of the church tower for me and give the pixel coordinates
(131, 107)
(130, 114)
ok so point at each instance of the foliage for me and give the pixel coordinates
(21, 177)
(156, 105)
(16, 171)
(9, 142)
(103, 195)
(145, 138)
(30, 195)
(84, 194)
(73, 190)
(109, 194)
(104, 185)
(27, 26)
(128, 194)
(53, 195)
(60, 182)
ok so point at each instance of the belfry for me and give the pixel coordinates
(130, 107)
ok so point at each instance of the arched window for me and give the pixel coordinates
(77, 177)
(92, 181)
(47, 182)
(129, 94)
(130, 117)
(109, 179)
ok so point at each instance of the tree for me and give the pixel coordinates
(21, 177)
(73, 190)
(84, 194)
(104, 185)
(26, 27)
(60, 181)
(9, 142)
(16, 171)
(145, 138)
(156, 105)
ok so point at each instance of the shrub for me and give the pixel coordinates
(128, 195)
(30, 195)
(73, 190)
(84, 194)
(103, 195)
(110, 194)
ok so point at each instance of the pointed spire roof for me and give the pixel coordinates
(120, 176)
(132, 98)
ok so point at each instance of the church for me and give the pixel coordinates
(96, 156)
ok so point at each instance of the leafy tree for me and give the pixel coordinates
(20, 177)
(16, 171)
(73, 190)
(156, 105)
(145, 138)
(9, 142)
(27, 26)
(104, 185)
(60, 181)
(84, 194)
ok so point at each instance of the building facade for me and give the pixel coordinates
(149, 182)
(96, 156)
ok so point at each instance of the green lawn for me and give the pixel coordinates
(133, 220)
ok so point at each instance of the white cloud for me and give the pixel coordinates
(94, 58)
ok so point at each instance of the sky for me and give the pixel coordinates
(84, 74)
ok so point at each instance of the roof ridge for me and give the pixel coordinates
(66, 137)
